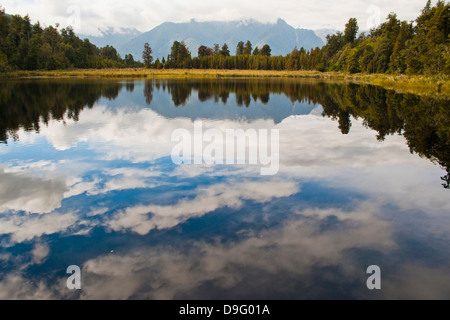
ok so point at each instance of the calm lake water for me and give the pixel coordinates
(87, 178)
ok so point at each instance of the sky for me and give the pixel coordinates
(88, 16)
(339, 200)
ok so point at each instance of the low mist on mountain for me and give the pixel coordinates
(280, 36)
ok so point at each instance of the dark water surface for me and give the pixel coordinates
(87, 179)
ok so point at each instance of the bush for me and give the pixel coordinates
(4, 67)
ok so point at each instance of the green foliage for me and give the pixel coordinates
(3, 63)
(395, 46)
(129, 60)
(147, 55)
(204, 51)
(24, 46)
(32, 104)
(351, 30)
(335, 43)
(427, 52)
(266, 50)
(424, 121)
(398, 57)
(179, 56)
(353, 60)
(240, 48)
(248, 48)
(216, 50)
(225, 52)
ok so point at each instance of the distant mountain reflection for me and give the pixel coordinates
(423, 121)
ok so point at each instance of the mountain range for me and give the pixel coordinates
(115, 38)
(323, 33)
(280, 36)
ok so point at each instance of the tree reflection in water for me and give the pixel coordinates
(424, 121)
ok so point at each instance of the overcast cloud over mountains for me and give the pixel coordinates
(127, 26)
(281, 37)
(92, 16)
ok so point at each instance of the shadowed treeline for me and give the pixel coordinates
(423, 121)
(29, 104)
(244, 90)
(394, 47)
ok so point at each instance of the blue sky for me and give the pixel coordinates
(88, 17)
(103, 194)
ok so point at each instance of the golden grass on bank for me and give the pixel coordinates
(428, 85)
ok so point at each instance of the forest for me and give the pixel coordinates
(26, 46)
(419, 47)
(398, 47)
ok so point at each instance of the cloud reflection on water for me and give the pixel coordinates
(306, 233)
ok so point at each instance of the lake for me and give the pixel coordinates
(141, 184)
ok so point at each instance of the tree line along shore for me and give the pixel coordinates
(406, 56)
(395, 47)
(416, 84)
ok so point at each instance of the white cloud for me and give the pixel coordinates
(144, 132)
(17, 287)
(413, 281)
(357, 160)
(380, 171)
(114, 180)
(78, 186)
(40, 252)
(22, 191)
(145, 136)
(23, 228)
(208, 199)
(5, 256)
(145, 15)
(35, 167)
(297, 247)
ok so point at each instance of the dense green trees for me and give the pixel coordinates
(428, 50)
(25, 46)
(395, 46)
(220, 58)
(180, 56)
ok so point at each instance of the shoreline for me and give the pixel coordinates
(417, 84)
